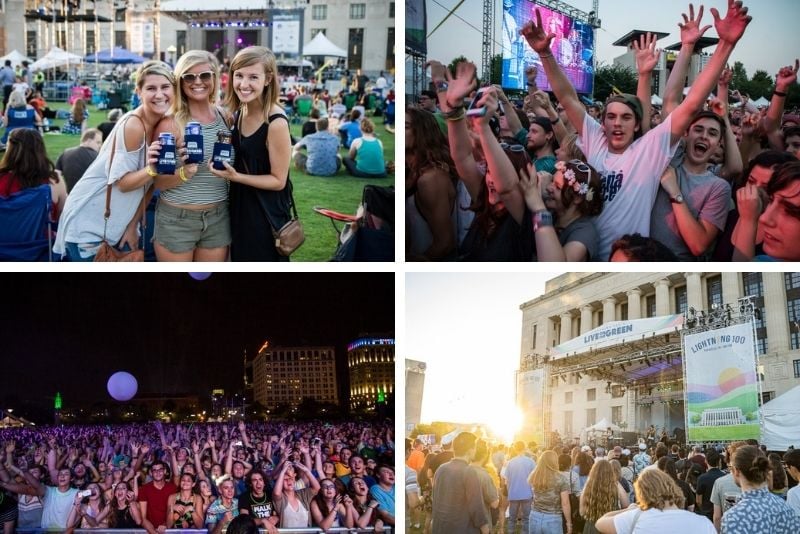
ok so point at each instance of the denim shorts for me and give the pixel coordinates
(182, 230)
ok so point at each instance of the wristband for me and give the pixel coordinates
(455, 115)
(778, 93)
(542, 56)
(541, 219)
(151, 173)
(182, 175)
(441, 87)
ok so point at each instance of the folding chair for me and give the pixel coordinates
(25, 226)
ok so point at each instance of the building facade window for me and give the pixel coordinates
(792, 284)
(319, 12)
(714, 290)
(681, 299)
(796, 365)
(568, 422)
(358, 11)
(591, 394)
(767, 396)
(753, 285)
(391, 10)
(533, 337)
(568, 394)
(390, 49)
(623, 311)
(616, 414)
(591, 416)
(650, 304)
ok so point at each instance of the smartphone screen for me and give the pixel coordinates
(473, 109)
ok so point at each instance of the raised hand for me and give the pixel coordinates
(646, 53)
(690, 29)
(731, 28)
(726, 77)
(460, 86)
(438, 70)
(531, 188)
(787, 76)
(534, 33)
(490, 102)
(719, 108)
(748, 202)
(530, 75)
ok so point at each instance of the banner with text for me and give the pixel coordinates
(721, 387)
(616, 332)
(530, 399)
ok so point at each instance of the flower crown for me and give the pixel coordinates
(581, 188)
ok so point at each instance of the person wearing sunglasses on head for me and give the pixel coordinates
(192, 221)
(562, 207)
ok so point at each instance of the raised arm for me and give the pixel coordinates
(691, 32)
(500, 167)
(730, 30)
(786, 78)
(451, 101)
(646, 60)
(732, 162)
(565, 93)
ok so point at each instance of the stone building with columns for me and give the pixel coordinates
(638, 382)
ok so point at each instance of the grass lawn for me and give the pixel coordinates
(340, 193)
(724, 433)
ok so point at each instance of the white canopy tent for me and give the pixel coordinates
(322, 46)
(761, 102)
(15, 57)
(56, 57)
(656, 100)
(604, 426)
(782, 421)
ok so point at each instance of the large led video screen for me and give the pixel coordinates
(573, 47)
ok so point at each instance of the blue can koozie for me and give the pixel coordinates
(222, 150)
(194, 142)
(166, 157)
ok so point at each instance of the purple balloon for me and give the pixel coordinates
(122, 386)
(200, 276)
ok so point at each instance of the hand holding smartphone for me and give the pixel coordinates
(473, 110)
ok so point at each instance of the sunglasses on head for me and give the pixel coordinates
(192, 77)
(581, 166)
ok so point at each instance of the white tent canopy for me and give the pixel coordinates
(322, 46)
(782, 421)
(15, 57)
(56, 57)
(603, 426)
(761, 102)
(655, 100)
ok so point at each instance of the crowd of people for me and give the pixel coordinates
(467, 485)
(200, 476)
(561, 180)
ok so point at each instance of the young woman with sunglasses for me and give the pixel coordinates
(192, 221)
(573, 195)
(330, 508)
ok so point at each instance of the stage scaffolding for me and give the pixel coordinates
(647, 370)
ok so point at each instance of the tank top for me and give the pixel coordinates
(204, 187)
(253, 209)
(124, 519)
(184, 520)
(369, 157)
(294, 518)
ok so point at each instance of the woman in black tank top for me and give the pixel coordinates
(260, 194)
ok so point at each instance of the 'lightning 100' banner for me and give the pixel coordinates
(721, 385)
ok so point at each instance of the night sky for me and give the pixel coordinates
(69, 332)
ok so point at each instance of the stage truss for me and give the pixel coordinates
(649, 369)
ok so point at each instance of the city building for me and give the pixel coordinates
(370, 362)
(637, 380)
(285, 375)
(415, 387)
(165, 29)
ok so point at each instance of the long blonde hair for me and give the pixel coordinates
(656, 489)
(600, 493)
(78, 109)
(544, 476)
(250, 56)
(189, 60)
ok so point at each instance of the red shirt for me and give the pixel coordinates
(156, 500)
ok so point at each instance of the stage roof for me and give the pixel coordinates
(634, 35)
(703, 42)
(46, 17)
(193, 10)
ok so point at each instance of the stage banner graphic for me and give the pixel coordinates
(616, 332)
(573, 47)
(416, 27)
(721, 386)
(530, 399)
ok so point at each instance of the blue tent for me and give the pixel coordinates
(118, 55)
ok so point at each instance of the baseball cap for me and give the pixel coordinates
(626, 452)
(586, 448)
(632, 101)
(642, 447)
(544, 122)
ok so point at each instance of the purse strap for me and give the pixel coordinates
(107, 212)
(247, 170)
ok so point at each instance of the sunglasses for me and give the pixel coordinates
(327, 486)
(581, 166)
(191, 77)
